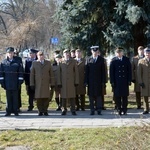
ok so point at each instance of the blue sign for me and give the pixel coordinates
(54, 40)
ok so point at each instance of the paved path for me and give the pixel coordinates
(109, 118)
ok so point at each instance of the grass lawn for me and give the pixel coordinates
(123, 138)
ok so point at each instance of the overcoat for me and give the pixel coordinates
(95, 76)
(120, 76)
(41, 76)
(144, 76)
(68, 77)
(11, 74)
(134, 73)
(81, 88)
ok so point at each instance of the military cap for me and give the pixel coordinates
(147, 50)
(66, 51)
(57, 51)
(40, 53)
(94, 48)
(9, 49)
(58, 56)
(33, 51)
(119, 49)
(78, 50)
(140, 48)
(72, 50)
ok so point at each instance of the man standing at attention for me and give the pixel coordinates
(41, 80)
(11, 78)
(68, 79)
(120, 79)
(144, 78)
(135, 75)
(95, 79)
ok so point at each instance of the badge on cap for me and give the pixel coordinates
(94, 48)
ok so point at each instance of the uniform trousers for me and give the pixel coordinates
(31, 97)
(146, 103)
(12, 101)
(138, 99)
(42, 104)
(122, 103)
(71, 102)
(95, 100)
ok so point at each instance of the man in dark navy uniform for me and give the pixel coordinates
(11, 78)
(28, 63)
(95, 75)
(120, 79)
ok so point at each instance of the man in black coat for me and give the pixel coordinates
(28, 63)
(11, 78)
(120, 79)
(95, 79)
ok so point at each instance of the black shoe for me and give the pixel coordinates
(120, 112)
(16, 114)
(40, 114)
(63, 113)
(7, 114)
(92, 113)
(145, 112)
(74, 113)
(99, 112)
(46, 114)
(124, 113)
(82, 109)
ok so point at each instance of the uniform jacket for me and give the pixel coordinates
(120, 75)
(41, 76)
(81, 88)
(28, 64)
(11, 74)
(95, 76)
(68, 77)
(134, 73)
(144, 76)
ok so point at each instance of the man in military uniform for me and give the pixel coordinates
(144, 78)
(120, 79)
(134, 75)
(68, 79)
(28, 63)
(80, 89)
(72, 53)
(11, 78)
(41, 80)
(95, 79)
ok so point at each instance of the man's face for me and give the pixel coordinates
(119, 54)
(10, 55)
(94, 53)
(78, 54)
(140, 52)
(66, 55)
(32, 55)
(147, 55)
(40, 57)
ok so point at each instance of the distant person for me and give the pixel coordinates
(28, 63)
(72, 53)
(120, 79)
(55, 66)
(41, 80)
(137, 88)
(11, 78)
(95, 79)
(144, 78)
(81, 88)
(68, 79)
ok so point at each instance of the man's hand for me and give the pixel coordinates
(142, 85)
